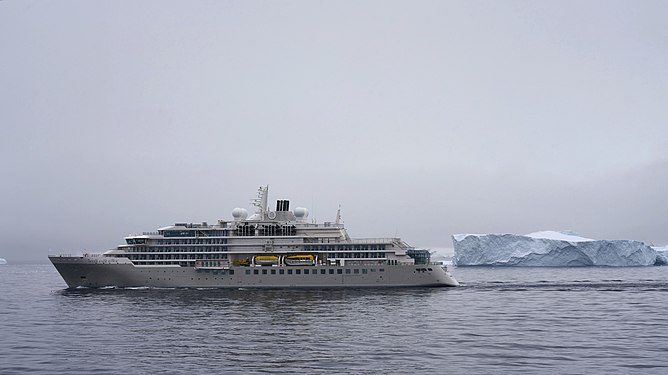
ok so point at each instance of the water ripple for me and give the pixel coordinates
(595, 321)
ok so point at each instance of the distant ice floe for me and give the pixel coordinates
(553, 249)
(3, 261)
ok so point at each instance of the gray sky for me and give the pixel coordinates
(422, 119)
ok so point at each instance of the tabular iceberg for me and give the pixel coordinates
(552, 249)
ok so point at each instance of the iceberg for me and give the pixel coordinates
(552, 249)
(661, 256)
(3, 261)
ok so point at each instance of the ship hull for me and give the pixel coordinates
(96, 272)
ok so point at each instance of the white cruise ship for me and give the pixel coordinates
(269, 249)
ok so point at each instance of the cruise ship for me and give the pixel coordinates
(269, 249)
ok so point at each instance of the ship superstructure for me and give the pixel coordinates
(270, 248)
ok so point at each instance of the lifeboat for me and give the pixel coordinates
(300, 260)
(242, 262)
(266, 260)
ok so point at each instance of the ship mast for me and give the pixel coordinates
(338, 216)
(261, 201)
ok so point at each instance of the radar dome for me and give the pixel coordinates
(239, 213)
(301, 213)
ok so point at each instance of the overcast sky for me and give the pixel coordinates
(420, 118)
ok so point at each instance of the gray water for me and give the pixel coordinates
(502, 320)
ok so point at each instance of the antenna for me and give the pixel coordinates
(314, 219)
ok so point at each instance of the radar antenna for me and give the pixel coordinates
(261, 201)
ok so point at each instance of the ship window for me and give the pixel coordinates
(381, 270)
(281, 272)
(255, 272)
(264, 272)
(364, 270)
(298, 272)
(273, 272)
(348, 271)
(289, 272)
(322, 272)
(331, 271)
(373, 270)
(339, 271)
(305, 272)
(356, 271)
(178, 233)
(247, 272)
(231, 272)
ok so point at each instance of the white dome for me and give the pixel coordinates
(301, 213)
(239, 213)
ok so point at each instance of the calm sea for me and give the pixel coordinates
(502, 320)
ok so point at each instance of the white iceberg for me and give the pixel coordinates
(661, 255)
(3, 261)
(552, 249)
